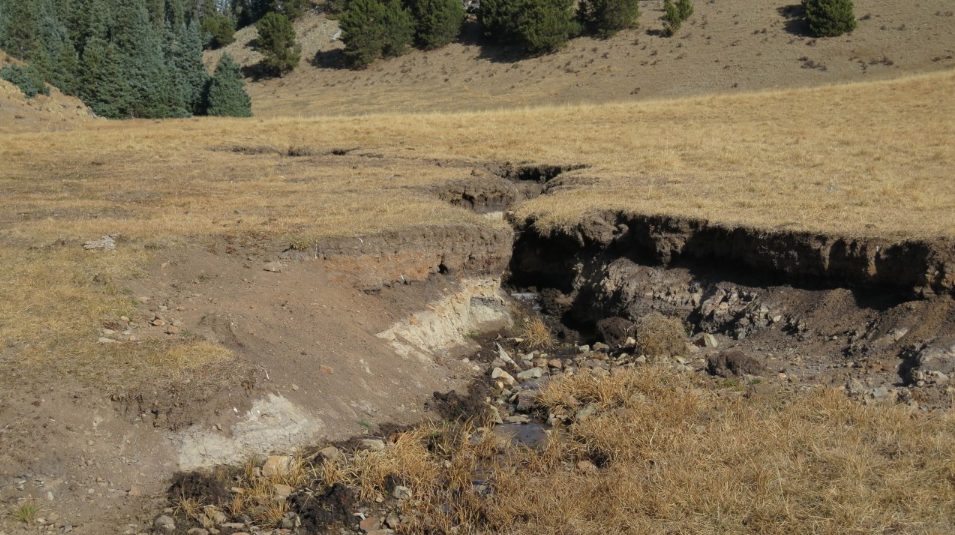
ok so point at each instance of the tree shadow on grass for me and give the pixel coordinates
(795, 16)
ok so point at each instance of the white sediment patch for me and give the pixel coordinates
(478, 305)
(272, 424)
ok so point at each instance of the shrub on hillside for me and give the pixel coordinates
(277, 43)
(540, 25)
(671, 18)
(218, 30)
(293, 9)
(226, 96)
(26, 78)
(829, 18)
(397, 28)
(607, 17)
(685, 9)
(437, 22)
(371, 29)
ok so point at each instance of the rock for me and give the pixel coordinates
(517, 419)
(706, 340)
(880, 393)
(393, 521)
(600, 347)
(197, 531)
(277, 466)
(291, 520)
(587, 412)
(331, 452)
(105, 340)
(372, 523)
(172, 329)
(583, 349)
(157, 322)
(855, 388)
(495, 415)
(273, 267)
(134, 491)
(501, 354)
(616, 331)
(282, 491)
(106, 243)
(164, 523)
(555, 363)
(587, 467)
(533, 373)
(401, 493)
(733, 363)
(526, 400)
(505, 377)
(49, 495)
(373, 444)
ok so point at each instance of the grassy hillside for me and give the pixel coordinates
(47, 112)
(728, 46)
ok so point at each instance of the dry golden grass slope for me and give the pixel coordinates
(860, 159)
(52, 112)
(728, 46)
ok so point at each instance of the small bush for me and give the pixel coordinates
(685, 9)
(277, 43)
(659, 336)
(26, 78)
(607, 17)
(671, 18)
(437, 22)
(829, 18)
(218, 30)
(371, 29)
(542, 26)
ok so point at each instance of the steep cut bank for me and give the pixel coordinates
(872, 316)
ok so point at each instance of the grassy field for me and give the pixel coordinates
(727, 47)
(866, 159)
(659, 454)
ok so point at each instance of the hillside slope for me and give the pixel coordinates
(20, 113)
(726, 47)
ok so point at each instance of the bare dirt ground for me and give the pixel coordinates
(726, 47)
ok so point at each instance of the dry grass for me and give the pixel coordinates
(672, 457)
(536, 334)
(866, 159)
(659, 336)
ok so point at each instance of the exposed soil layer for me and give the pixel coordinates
(916, 267)
(873, 316)
(402, 256)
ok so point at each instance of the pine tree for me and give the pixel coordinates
(829, 18)
(362, 34)
(607, 17)
(277, 44)
(218, 30)
(671, 18)
(21, 36)
(102, 85)
(152, 95)
(184, 60)
(293, 9)
(685, 9)
(157, 13)
(227, 96)
(398, 28)
(500, 19)
(437, 22)
(66, 69)
(546, 25)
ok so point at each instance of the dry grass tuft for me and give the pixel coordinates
(659, 336)
(536, 334)
(674, 458)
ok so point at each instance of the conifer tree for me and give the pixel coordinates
(499, 19)
(277, 44)
(66, 69)
(143, 68)
(188, 72)
(227, 96)
(362, 33)
(685, 9)
(829, 18)
(437, 22)
(398, 29)
(671, 18)
(607, 17)
(102, 85)
(546, 25)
